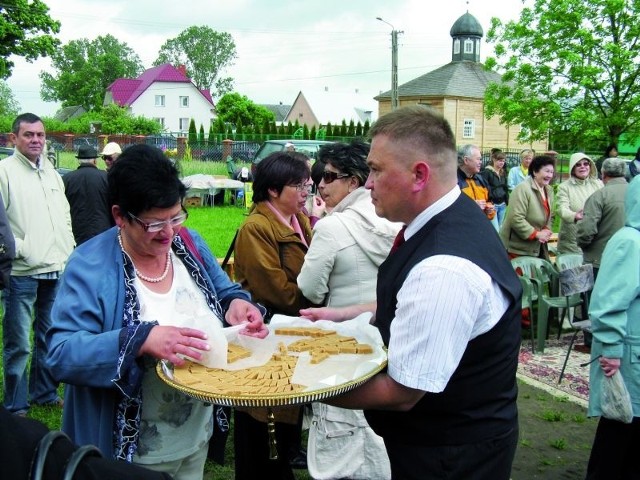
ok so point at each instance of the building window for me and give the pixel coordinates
(184, 101)
(456, 46)
(159, 100)
(160, 120)
(469, 129)
(184, 124)
(468, 46)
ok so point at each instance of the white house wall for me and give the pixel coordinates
(199, 108)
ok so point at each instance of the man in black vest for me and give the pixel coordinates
(448, 309)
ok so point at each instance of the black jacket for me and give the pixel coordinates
(498, 190)
(86, 191)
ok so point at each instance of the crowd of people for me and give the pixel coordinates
(99, 265)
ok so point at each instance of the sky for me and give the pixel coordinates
(283, 47)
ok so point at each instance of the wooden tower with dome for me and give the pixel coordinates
(457, 90)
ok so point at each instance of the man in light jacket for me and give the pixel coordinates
(38, 214)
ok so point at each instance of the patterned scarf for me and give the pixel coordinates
(129, 408)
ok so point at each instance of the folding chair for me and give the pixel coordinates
(576, 281)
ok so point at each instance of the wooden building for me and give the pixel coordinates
(457, 91)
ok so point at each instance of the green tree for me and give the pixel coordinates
(329, 130)
(27, 32)
(192, 136)
(212, 134)
(85, 68)
(312, 132)
(8, 104)
(571, 65)
(201, 138)
(351, 131)
(233, 106)
(238, 123)
(205, 53)
(359, 129)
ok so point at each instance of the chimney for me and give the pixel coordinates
(182, 69)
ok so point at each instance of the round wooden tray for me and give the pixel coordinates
(257, 400)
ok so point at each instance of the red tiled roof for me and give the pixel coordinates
(126, 90)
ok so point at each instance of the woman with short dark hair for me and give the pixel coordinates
(128, 298)
(269, 252)
(527, 226)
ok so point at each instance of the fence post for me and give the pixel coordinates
(181, 147)
(226, 148)
(68, 142)
(102, 141)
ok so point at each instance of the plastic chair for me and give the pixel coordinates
(544, 277)
(525, 268)
(576, 281)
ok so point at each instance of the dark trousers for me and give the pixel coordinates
(486, 460)
(614, 455)
(251, 444)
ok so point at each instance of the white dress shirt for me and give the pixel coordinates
(444, 302)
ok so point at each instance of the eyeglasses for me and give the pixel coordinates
(302, 187)
(329, 177)
(157, 226)
(107, 158)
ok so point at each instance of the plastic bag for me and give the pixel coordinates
(615, 400)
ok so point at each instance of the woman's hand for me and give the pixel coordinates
(166, 342)
(609, 365)
(544, 235)
(240, 311)
(318, 207)
(579, 216)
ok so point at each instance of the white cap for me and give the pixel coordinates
(111, 148)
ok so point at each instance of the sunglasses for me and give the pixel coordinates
(107, 158)
(329, 177)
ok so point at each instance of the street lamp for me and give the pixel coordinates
(394, 64)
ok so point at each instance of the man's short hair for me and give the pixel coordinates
(24, 118)
(614, 167)
(465, 151)
(423, 128)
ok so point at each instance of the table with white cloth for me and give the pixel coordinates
(207, 186)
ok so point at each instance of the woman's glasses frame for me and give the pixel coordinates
(155, 227)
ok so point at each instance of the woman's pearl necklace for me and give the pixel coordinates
(144, 277)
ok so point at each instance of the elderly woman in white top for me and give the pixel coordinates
(340, 269)
(571, 197)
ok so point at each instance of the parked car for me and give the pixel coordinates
(308, 147)
(85, 141)
(5, 152)
(240, 151)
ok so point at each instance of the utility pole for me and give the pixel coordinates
(395, 103)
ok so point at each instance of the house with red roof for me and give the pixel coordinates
(165, 94)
